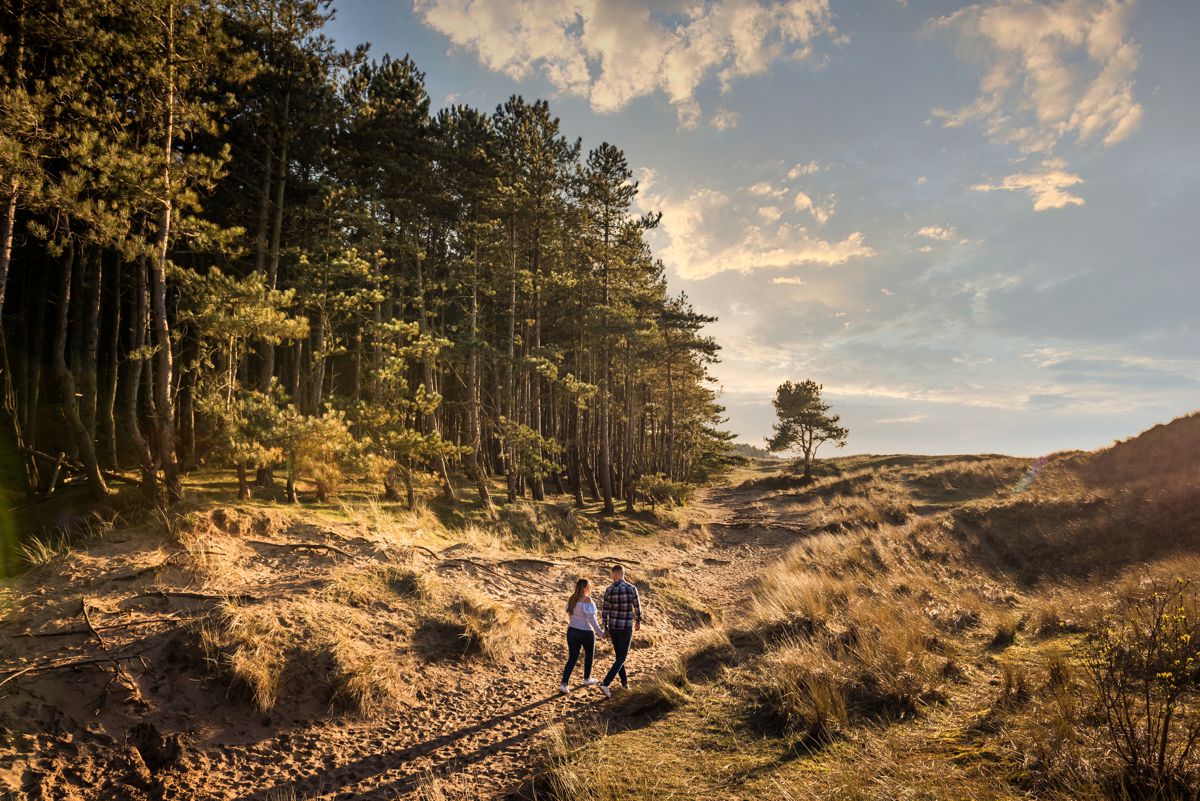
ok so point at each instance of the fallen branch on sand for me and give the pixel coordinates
(128, 624)
(304, 546)
(201, 596)
(59, 664)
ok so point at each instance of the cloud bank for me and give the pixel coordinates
(1054, 74)
(613, 51)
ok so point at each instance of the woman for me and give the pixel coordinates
(581, 633)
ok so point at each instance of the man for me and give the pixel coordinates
(622, 617)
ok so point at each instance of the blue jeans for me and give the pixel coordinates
(579, 639)
(621, 640)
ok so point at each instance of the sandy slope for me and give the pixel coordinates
(485, 729)
(473, 721)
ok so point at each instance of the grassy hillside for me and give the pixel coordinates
(900, 627)
(949, 628)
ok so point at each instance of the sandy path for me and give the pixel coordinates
(481, 723)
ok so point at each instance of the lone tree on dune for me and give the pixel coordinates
(804, 422)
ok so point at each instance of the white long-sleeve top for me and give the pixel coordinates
(584, 617)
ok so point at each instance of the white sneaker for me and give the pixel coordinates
(607, 692)
(564, 689)
(590, 682)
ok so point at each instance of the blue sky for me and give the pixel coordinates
(976, 225)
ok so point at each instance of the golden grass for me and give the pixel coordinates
(578, 768)
(447, 788)
(366, 680)
(375, 585)
(494, 629)
(667, 689)
(247, 644)
(906, 655)
(38, 551)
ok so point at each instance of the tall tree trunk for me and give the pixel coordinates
(316, 374)
(8, 219)
(627, 483)
(605, 466)
(473, 403)
(510, 467)
(164, 403)
(89, 400)
(66, 382)
(535, 400)
(267, 368)
(36, 355)
(133, 383)
(108, 404)
(190, 357)
(670, 465)
(430, 423)
(260, 251)
(8, 409)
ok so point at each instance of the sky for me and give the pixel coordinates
(975, 225)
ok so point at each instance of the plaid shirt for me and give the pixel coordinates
(621, 605)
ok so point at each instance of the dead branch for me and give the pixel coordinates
(609, 560)
(87, 619)
(304, 546)
(202, 596)
(432, 554)
(530, 560)
(108, 627)
(511, 580)
(59, 664)
(119, 671)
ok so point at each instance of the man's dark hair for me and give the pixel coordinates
(617, 569)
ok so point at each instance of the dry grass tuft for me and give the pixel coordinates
(447, 788)
(881, 503)
(42, 550)
(577, 768)
(460, 619)
(247, 644)
(666, 690)
(546, 526)
(365, 680)
(797, 690)
(373, 586)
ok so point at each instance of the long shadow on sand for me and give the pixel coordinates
(339, 782)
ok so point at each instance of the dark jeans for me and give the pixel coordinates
(621, 640)
(576, 639)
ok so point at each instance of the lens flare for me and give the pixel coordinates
(1030, 475)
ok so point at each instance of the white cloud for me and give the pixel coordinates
(707, 232)
(1047, 185)
(912, 418)
(887, 291)
(767, 189)
(925, 249)
(803, 169)
(921, 180)
(942, 233)
(821, 212)
(789, 280)
(1051, 70)
(724, 119)
(769, 214)
(612, 51)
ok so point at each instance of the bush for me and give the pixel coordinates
(1144, 663)
(658, 489)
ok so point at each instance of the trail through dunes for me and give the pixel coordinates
(476, 720)
(910, 620)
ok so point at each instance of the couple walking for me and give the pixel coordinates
(622, 614)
